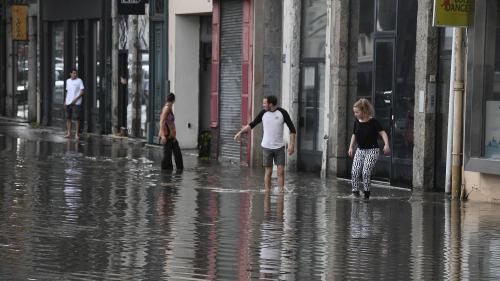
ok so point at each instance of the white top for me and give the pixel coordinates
(273, 123)
(73, 88)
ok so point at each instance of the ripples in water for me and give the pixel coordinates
(101, 210)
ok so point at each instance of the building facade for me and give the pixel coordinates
(335, 52)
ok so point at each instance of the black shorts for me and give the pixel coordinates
(73, 112)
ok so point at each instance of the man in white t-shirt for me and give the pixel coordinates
(73, 102)
(273, 119)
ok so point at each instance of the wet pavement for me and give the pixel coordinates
(101, 209)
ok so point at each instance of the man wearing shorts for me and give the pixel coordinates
(73, 102)
(273, 119)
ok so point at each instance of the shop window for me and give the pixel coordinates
(482, 104)
(386, 15)
(492, 95)
(159, 6)
(314, 28)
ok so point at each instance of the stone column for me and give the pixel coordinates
(338, 62)
(267, 74)
(291, 66)
(426, 64)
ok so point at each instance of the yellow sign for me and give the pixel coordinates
(19, 22)
(458, 13)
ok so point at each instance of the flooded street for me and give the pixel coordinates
(103, 210)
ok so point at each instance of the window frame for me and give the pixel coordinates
(475, 114)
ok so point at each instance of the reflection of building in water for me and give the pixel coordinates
(289, 245)
(271, 234)
(72, 182)
(474, 257)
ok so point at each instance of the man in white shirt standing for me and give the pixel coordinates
(273, 119)
(73, 102)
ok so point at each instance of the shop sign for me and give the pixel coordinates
(19, 22)
(131, 7)
(459, 13)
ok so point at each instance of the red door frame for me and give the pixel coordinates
(214, 91)
(246, 70)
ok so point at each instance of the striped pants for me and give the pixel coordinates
(363, 163)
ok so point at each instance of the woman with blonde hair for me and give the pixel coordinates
(366, 131)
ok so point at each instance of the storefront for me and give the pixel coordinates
(17, 29)
(231, 77)
(482, 104)
(312, 85)
(386, 76)
(76, 34)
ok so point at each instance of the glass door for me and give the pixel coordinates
(383, 99)
(58, 74)
(310, 124)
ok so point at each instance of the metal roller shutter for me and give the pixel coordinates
(230, 76)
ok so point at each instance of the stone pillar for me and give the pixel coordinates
(266, 64)
(338, 65)
(32, 63)
(426, 65)
(292, 10)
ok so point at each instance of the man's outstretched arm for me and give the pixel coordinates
(245, 129)
(249, 127)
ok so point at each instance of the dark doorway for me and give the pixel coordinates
(386, 75)
(312, 86)
(123, 98)
(310, 141)
(205, 72)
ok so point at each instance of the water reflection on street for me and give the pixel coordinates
(103, 210)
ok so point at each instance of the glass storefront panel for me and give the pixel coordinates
(98, 67)
(365, 50)
(313, 28)
(365, 36)
(442, 103)
(386, 15)
(492, 94)
(22, 79)
(74, 41)
(384, 77)
(311, 111)
(58, 66)
(159, 7)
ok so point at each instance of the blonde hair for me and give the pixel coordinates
(365, 107)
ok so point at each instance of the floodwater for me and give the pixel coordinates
(103, 210)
